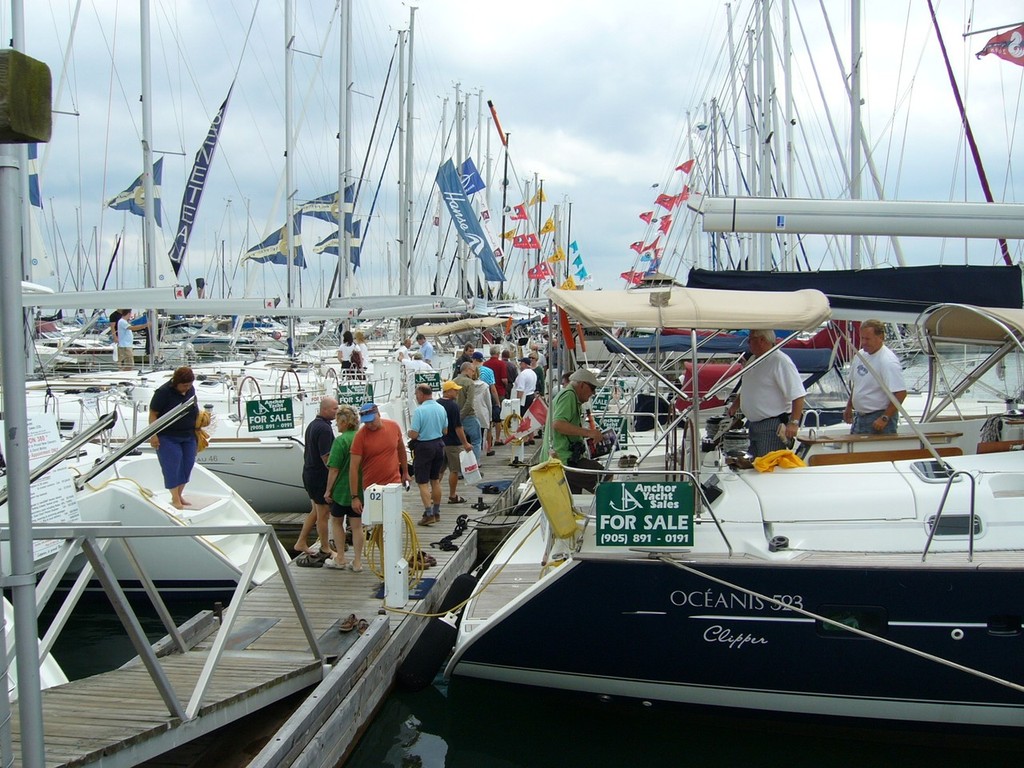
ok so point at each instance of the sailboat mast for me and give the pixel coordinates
(855, 126)
(346, 210)
(149, 209)
(408, 208)
(289, 172)
(403, 224)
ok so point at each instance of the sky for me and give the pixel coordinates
(601, 101)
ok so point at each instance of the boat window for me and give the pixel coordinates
(954, 525)
(931, 471)
(867, 618)
(1004, 626)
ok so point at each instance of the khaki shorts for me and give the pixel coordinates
(451, 453)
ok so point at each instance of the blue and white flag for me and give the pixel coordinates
(470, 177)
(133, 199)
(274, 249)
(34, 197)
(331, 243)
(465, 220)
(326, 207)
(194, 188)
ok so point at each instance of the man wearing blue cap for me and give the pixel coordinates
(378, 455)
(428, 428)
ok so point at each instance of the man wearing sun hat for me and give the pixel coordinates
(565, 438)
(378, 455)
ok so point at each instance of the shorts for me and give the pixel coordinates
(339, 510)
(429, 461)
(495, 414)
(315, 483)
(451, 453)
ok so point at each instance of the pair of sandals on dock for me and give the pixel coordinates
(321, 559)
(351, 622)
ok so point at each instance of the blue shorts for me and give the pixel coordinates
(429, 461)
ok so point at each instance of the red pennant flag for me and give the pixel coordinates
(638, 246)
(1009, 46)
(632, 277)
(647, 217)
(539, 272)
(685, 194)
(651, 246)
(519, 213)
(668, 202)
(526, 241)
(664, 224)
(685, 167)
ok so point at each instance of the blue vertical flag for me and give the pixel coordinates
(34, 197)
(133, 198)
(470, 177)
(465, 219)
(194, 188)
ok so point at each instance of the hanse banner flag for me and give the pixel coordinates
(1009, 46)
(465, 219)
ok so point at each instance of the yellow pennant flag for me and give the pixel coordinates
(509, 235)
(549, 226)
(558, 255)
(569, 284)
(539, 197)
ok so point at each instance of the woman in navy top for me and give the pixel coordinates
(176, 443)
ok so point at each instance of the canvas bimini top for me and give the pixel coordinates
(695, 308)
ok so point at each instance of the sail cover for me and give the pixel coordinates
(905, 290)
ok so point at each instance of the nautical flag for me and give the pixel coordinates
(34, 197)
(549, 226)
(539, 272)
(519, 213)
(652, 245)
(508, 235)
(538, 197)
(485, 215)
(578, 261)
(465, 219)
(664, 224)
(326, 207)
(647, 216)
(1008, 46)
(470, 177)
(558, 255)
(638, 246)
(684, 195)
(582, 275)
(573, 246)
(530, 241)
(534, 419)
(668, 202)
(133, 198)
(332, 242)
(685, 167)
(274, 249)
(194, 187)
(653, 267)
(645, 257)
(634, 278)
(569, 284)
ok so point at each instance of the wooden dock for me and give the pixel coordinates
(120, 718)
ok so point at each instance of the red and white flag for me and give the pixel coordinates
(685, 167)
(1008, 46)
(534, 418)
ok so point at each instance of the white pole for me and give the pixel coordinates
(345, 152)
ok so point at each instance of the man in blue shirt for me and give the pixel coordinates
(426, 349)
(427, 431)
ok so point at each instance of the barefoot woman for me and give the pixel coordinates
(175, 444)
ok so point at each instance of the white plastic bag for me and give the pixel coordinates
(470, 467)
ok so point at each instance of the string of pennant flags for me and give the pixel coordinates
(650, 254)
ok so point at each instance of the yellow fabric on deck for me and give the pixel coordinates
(784, 458)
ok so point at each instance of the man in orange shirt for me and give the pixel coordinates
(378, 455)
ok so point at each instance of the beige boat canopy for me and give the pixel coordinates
(695, 308)
(968, 324)
(459, 326)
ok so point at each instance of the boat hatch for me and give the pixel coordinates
(932, 471)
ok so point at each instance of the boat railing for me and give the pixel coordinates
(93, 539)
(971, 520)
(662, 474)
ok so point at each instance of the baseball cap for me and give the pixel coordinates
(586, 376)
(367, 412)
(478, 355)
(449, 385)
(525, 360)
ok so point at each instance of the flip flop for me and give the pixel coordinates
(349, 623)
(362, 625)
(456, 500)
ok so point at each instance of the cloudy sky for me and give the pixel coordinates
(602, 100)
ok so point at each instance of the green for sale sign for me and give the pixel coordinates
(617, 423)
(270, 414)
(644, 514)
(355, 393)
(433, 378)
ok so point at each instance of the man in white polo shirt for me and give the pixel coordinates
(869, 408)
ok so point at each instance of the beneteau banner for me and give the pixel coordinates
(194, 187)
(465, 219)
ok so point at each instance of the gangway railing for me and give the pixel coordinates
(92, 541)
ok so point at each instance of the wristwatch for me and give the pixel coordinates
(884, 418)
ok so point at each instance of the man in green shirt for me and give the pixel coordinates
(565, 438)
